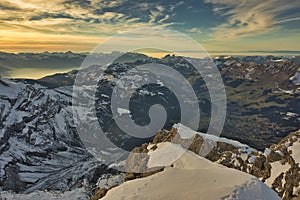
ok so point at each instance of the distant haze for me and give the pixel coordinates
(38, 65)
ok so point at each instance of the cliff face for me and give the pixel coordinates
(39, 146)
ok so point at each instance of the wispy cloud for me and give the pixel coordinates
(76, 18)
(248, 18)
(287, 20)
(69, 24)
(195, 30)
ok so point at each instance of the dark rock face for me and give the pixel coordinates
(259, 95)
(261, 168)
(12, 181)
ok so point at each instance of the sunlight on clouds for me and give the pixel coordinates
(159, 41)
(278, 41)
(33, 41)
(249, 17)
(288, 20)
(78, 25)
(108, 4)
(58, 22)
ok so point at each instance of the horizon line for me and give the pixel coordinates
(156, 51)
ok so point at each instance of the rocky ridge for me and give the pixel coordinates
(277, 166)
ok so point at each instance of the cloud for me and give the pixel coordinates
(288, 20)
(8, 6)
(26, 24)
(249, 18)
(51, 16)
(67, 22)
(80, 16)
(195, 30)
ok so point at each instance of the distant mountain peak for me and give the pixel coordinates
(3, 83)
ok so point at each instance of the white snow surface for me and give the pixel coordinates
(165, 154)
(122, 111)
(267, 152)
(187, 133)
(295, 148)
(276, 170)
(296, 78)
(191, 177)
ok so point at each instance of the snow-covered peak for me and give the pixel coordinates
(187, 133)
(10, 89)
(191, 177)
(277, 166)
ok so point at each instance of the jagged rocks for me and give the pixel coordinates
(274, 157)
(261, 168)
(101, 192)
(132, 176)
(165, 136)
(259, 164)
(196, 144)
(218, 151)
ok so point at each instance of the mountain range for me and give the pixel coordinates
(40, 148)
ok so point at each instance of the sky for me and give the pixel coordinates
(218, 25)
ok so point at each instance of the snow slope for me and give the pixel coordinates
(186, 133)
(191, 177)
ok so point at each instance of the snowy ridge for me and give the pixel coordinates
(191, 177)
(187, 133)
(277, 166)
